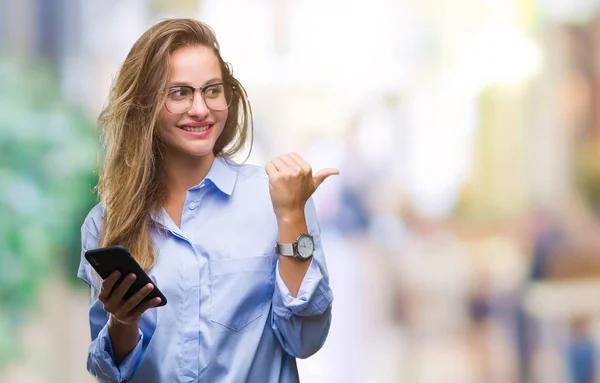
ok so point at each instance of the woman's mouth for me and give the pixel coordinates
(196, 129)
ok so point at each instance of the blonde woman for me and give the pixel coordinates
(235, 248)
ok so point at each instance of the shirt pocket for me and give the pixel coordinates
(241, 289)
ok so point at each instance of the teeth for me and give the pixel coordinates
(196, 130)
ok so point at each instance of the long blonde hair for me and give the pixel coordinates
(131, 185)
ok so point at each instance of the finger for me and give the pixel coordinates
(279, 164)
(271, 169)
(108, 285)
(135, 300)
(300, 161)
(290, 163)
(323, 174)
(145, 306)
(122, 288)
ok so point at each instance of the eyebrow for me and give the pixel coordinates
(214, 80)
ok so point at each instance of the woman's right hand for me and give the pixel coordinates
(125, 312)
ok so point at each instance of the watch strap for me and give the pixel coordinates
(285, 249)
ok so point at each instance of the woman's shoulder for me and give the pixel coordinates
(250, 184)
(93, 220)
(253, 180)
(247, 173)
(250, 171)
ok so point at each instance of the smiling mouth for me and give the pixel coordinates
(197, 129)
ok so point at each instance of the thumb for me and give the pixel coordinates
(322, 174)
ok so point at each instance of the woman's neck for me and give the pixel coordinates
(184, 172)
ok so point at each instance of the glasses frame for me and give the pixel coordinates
(201, 89)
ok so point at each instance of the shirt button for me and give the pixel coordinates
(192, 205)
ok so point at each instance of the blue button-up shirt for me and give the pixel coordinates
(229, 316)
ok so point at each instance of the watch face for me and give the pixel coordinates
(306, 246)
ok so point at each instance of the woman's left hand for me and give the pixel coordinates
(291, 183)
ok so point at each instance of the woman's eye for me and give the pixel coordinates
(180, 93)
(213, 91)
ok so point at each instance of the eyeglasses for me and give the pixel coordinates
(217, 97)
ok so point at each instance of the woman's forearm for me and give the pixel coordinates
(123, 338)
(292, 270)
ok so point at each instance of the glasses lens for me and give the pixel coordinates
(218, 96)
(179, 100)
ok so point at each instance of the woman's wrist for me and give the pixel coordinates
(116, 324)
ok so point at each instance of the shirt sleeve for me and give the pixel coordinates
(101, 361)
(302, 323)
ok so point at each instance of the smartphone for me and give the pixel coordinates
(105, 260)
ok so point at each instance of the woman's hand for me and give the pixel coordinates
(291, 183)
(124, 312)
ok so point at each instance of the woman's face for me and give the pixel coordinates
(195, 132)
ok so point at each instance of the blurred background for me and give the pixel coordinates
(462, 236)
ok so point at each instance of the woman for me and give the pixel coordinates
(204, 228)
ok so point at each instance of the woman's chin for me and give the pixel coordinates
(203, 151)
(196, 151)
(200, 152)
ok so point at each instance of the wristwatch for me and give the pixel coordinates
(302, 248)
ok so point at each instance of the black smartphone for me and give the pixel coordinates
(105, 260)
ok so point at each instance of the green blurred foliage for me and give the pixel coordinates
(47, 160)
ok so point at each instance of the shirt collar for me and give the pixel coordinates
(223, 174)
